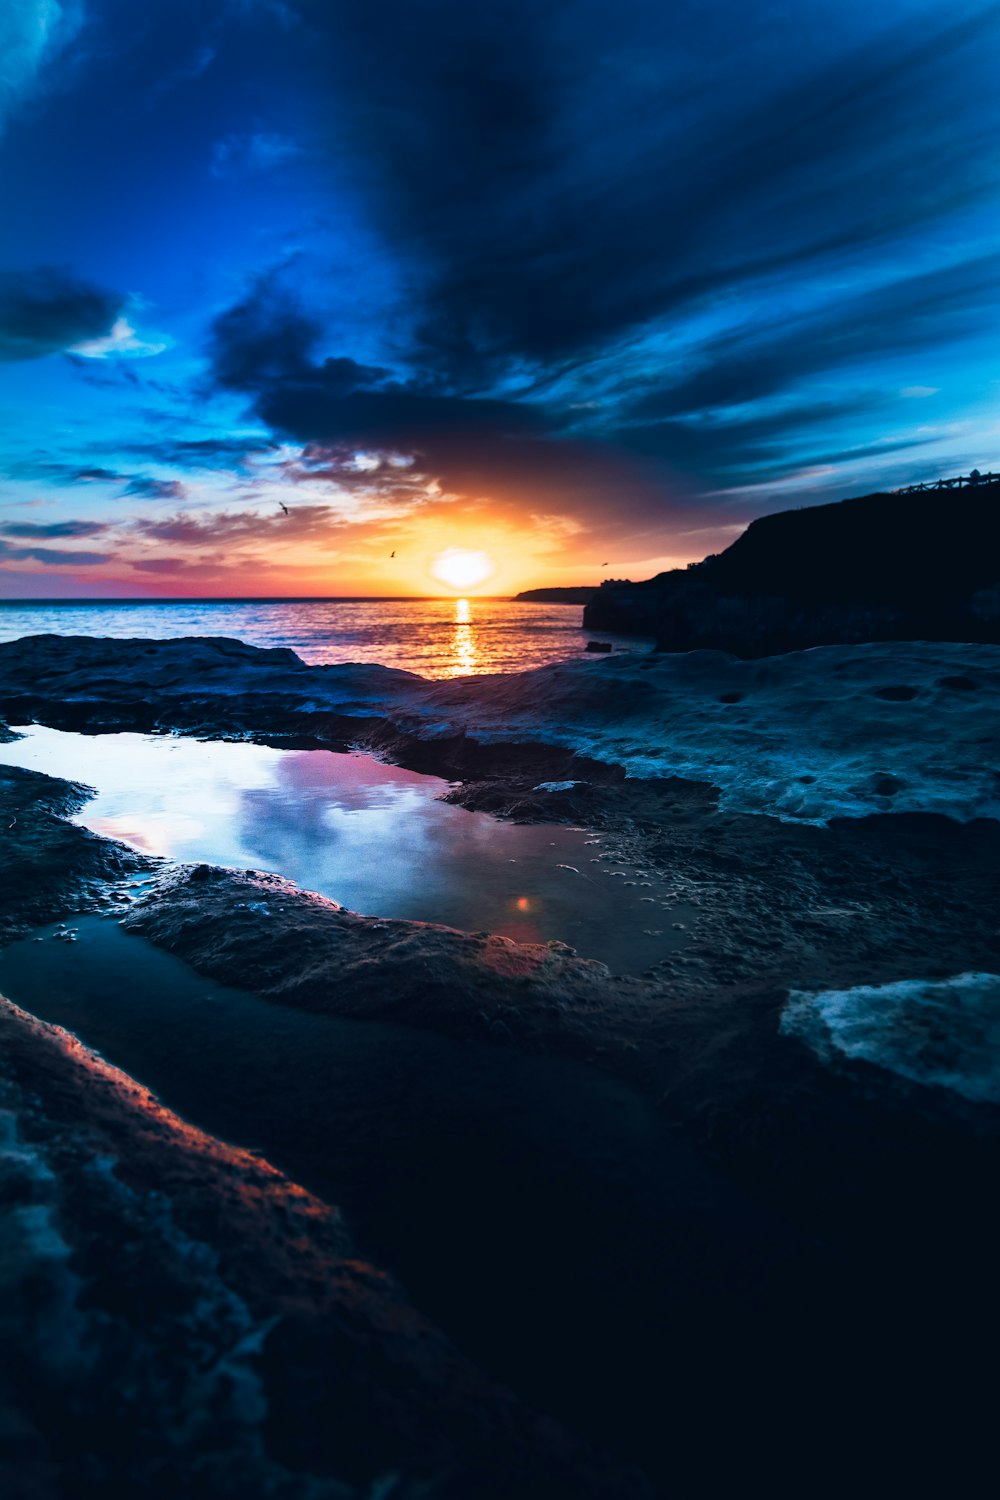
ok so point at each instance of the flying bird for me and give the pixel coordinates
(392, 554)
(284, 507)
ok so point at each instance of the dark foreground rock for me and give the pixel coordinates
(52, 867)
(876, 1192)
(179, 1319)
(876, 568)
(875, 1188)
(808, 735)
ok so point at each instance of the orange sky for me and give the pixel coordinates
(204, 543)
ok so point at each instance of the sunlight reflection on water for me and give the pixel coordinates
(464, 641)
(373, 837)
(435, 637)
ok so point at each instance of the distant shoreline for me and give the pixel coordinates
(581, 595)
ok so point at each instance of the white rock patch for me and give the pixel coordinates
(943, 1033)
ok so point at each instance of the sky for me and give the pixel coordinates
(297, 296)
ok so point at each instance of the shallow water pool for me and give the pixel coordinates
(373, 837)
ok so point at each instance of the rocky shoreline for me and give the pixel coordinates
(222, 1318)
(879, 1182)
(232, 1249)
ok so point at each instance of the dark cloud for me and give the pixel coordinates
(264, 346)
(852, 455)
(756, 361)
(234, 455)
(46, 310)
(722, 449)
(54, 529)
(161, 564)
(477, 446)
(93, 474)
(234, 528)
(604, 260)
(208, 453)
(155, 489)
(108, 373)
(55, 558)
(554, 181)
(219, 454)
(318, 409)
(562, 197)
(264, 339)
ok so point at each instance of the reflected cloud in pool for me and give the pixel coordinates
(376, 838)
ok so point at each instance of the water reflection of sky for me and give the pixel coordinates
(371, 836)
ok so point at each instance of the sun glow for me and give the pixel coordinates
(461, 569)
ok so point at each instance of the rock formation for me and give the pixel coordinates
(919, 566)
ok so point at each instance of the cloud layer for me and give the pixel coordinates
(608, 275)
(675, 263)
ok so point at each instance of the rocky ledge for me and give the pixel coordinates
(842, 730)
(878, 1177)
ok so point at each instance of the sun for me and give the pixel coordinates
(461, 569)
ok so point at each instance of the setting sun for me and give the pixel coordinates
(462, 569)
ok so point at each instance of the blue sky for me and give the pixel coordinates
(287, 286)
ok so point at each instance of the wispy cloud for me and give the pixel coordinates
(241, 155)
(192, 68)
(120, 342)
(64, 529)
(31, 33)
(148, 488)
(315, 523)
(52, 556)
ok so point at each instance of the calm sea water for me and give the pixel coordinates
(435, 637)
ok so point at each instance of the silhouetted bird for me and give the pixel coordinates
(284, 507)
(392, 554)
(604, 565)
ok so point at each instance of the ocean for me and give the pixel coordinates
(434, 637)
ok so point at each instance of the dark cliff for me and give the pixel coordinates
(878, 567)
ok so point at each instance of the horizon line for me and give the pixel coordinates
(268, 598)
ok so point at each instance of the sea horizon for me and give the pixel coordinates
(433, 635)
(259, 598)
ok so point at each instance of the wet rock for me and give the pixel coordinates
(180, 1318)
(50, 865)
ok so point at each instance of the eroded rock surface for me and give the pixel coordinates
(52, 867)
(885, 1178)
(178, 1318)
(838, 731)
